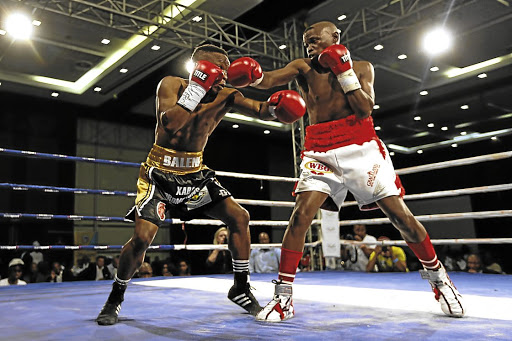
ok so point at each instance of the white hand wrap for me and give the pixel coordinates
(257, 81)
(272, 110)
(192, 95)
(348, 81)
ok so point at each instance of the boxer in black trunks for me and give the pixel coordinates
(174, 182)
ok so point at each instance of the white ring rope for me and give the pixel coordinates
(454, 163)
(375, 221)
(256, 176)
(447, 193)
(434, 241)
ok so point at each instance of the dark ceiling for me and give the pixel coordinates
(67, 48)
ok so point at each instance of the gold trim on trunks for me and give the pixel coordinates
(169, 160)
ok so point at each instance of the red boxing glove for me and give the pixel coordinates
(337, 58)
(287, 106)
(244, 72)
(202, 78)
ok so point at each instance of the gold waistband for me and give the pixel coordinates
(174, 161)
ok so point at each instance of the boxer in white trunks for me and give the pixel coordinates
(342, 153)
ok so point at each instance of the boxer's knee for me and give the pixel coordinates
(300, 221)
(239, 221)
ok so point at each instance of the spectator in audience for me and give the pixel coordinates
(56, 272)
(166, 271)
(474, 263)
(491, 266)
(264, 260)
(112, 267)
(387, 258)
(183, 268)
(30, 272)
(352, 257)
(145, 270)
(15, 273)
(82, 264)
(43, 272)
(96, 271)
(361, 236)
(219, 261)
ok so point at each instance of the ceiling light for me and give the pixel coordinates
(494, 138)
(105, 41)
(402, 56)
(437, 41)
(376, 106)
(482, 75)
(424, 93)
(430, 125)
(378, 47)
(460, 71)
(342, 17)
(155, 47)
(190, 65)
(235, 126)
(444, 128)
(55, 94)
(434, 69)
(266, 131)
(392, 153)
(2, 33)
(454, 145)
(197, 18)
(417, 118)
(19, 26)
(36, 23)
(464, 107)
(97, 89)
(123, 70)
(419, 151)
(282, 47)
(378, 128)
(463, 133)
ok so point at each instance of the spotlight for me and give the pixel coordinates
(378, 47)
(464, 107)
(266, 131)
(342, 17)
(105, 41)
(97, 89)
(430, 125)
(424, 93)
(437, 41)
(376, 106)
(377, 128)
(402, 56)
(482, 75)
(155, 47)
(282, 47)
(417, 118)
(434, 69)
(19, 26)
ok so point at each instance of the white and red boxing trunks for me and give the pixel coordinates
(346, 155)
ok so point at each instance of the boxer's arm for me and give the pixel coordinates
(171, 116)
(362, 100)
(281, 76)
(251, 107)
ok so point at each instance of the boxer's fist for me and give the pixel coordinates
(206, 74)
(243, 72)
(287, 106)
(337, 58)
(202, 78)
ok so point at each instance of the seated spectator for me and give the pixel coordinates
(387, 258)
(474, 263)
(82, 264)
(264, 260)
(96, 271)
(30, 274)
(183, 268)
(219, 261)
(353, 257)
(166, 271)
(491, 266)
(112, 267)
(56, 272)
(15, 273)
(145, 271)
(361, 236)
(43, 272)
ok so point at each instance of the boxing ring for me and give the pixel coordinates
(329, 304)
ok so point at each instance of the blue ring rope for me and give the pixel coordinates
(44, 216)
(53, 189)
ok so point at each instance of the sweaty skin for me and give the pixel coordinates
(181, 130)
(319, 87)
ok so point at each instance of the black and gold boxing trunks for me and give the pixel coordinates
(175, 184)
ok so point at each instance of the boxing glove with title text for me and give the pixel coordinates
(287, 106)
(244, 72)
(202, 78)
(337, 58)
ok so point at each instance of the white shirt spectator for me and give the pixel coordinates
(265, 260)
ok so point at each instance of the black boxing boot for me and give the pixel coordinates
(110, 311)
(240, 294)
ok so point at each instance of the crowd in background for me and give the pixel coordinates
(32, 267)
